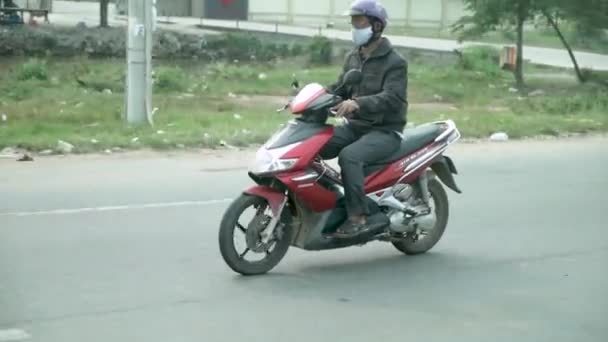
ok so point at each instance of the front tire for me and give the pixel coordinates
(413, 244)
(230, 224)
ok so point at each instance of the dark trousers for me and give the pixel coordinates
(355, 149)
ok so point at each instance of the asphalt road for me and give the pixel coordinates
(83, 259)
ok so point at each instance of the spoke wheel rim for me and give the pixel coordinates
(262, 250)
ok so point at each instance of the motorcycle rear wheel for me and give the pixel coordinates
(230, 224)
(413, 244)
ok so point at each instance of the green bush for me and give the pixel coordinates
(483, 59)
(283, 50)
(245, 47)
(33, 70)
(297, 50)
(600, 77)
(320, 50)
(234, 46)
(170, 79)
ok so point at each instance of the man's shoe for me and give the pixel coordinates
(352, 229)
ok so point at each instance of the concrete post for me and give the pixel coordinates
(138, 99)
(408, 13)
(290, 18)
(444, 14)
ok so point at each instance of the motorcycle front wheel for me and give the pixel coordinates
(234, 225)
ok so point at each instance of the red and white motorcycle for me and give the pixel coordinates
(299, 199)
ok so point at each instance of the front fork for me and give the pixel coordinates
(277, 202)
(268, 233)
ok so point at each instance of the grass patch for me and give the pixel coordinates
(481, 124)
(170, 79)
(33, 70)
(199, 105)
(98, 126)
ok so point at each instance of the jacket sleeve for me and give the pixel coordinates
(394, 88)
(332, 87)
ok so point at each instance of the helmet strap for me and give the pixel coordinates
(377, 33)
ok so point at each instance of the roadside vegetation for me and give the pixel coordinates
(231, 102)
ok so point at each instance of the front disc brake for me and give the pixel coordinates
(254, 236)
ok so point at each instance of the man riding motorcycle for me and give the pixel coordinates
(375, 111)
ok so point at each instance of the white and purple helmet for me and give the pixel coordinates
(369, 8)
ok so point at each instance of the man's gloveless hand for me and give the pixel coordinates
(346, 108)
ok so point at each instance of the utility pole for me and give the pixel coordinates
(138, 99)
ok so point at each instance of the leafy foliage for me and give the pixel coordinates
(481, 58)
(33, 69)
(320, 51)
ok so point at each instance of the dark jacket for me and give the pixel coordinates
(382, 94)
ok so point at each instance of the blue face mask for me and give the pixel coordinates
(362, 36)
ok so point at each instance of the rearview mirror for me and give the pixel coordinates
(353, 77)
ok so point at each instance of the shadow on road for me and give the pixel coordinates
(430, 273)
(380, 275)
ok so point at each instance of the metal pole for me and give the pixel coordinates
(139, 62)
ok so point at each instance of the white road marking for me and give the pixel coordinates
(11, 335)
(114, 208)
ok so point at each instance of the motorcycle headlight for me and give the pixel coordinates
(269, 161)
(274, 165)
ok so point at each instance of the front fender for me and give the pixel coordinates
(444, 168)
(272, 196)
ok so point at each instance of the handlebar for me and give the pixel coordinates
(337, 99)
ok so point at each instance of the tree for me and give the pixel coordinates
(494, 15)
(553, 21)
(103, 13)
(590, 17)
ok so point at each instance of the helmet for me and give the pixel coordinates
(369, 8)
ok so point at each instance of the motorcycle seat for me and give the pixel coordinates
(413, 140)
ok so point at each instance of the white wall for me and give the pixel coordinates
(27, 3)
(426, 10)
(311, 12)
(397, 11)
(456, 10)
(268, 10)
(320, 12)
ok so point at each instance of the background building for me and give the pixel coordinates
(413, 13)
(34, 4)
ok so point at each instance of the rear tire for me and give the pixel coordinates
(226, 238)
(409, 245)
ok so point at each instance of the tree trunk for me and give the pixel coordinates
(103, 13)
(555, 26)
(519, 68)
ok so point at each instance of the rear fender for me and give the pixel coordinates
(274, 197)
(444, 168)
